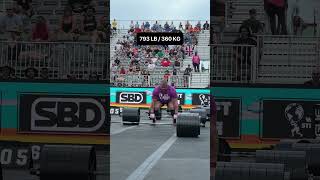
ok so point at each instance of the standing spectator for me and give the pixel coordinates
(26, 6)
(117, 61)
(243, 54)
(114, 25)
(315, 81)
(90, 24)
(186, 75)
(277, 8)
(44, 73)
(254, 24)
(67, 24)
(10, 23)
(40, 30)
(196, 62)
(206, 26)
(174, 72)
(181, 27)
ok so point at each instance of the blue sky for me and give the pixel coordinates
(160, 9)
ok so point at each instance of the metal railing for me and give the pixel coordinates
(129, 80)
(73, 59)
(287, 59)
(233, 63)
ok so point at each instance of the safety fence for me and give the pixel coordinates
(275, 59)
(129, 80)
(60, 60)
(230, 62)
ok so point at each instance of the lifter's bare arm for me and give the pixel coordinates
(152, 105)
(175, 105)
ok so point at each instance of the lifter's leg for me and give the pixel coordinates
(157, 111)
(171, 108)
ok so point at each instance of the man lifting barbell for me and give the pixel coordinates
(164, 94)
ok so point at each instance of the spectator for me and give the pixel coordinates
(6, 73)
(315, 81)
(181, 27)
(198, 25)
(206, 26)
(114, 25)
(254, 24)
(40, 31)
(147, 25)
(196, 62)
(26, 6)
(122, 71)
(10, 23)
(151, 67)
(177, 63)
(172, 27)
(103, 29)
(277, 8)
(188, 70)
(167, 75)
(132, 25)
(165, 62)
(243, 54)
(67, 24)
(31, 73)
(174, 72)
(90, 24)
(94, 77)
(117, 62)
(166, 27)
(44, 73)
(137, 25)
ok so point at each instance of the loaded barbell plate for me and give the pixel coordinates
(65, 162)
(202, 114)
(188, 125)
(130, 116)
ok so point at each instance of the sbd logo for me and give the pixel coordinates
(131, 97)
(67, 114)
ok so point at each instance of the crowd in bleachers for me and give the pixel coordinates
(161, 61)
(44, 23)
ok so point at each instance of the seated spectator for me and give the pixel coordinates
(172, 27)
(165, 62)
(166, 27)
(198, 25)
(90, 24)
(315, 81)
(117, 61)
(40, 30)
(254, 24)
(147, 25)
(187, 25)
(6, 73)
(10, 23)
(206, 26)
(151, 67)
(67, 25)
(174, 72)
(142, 27)
(167, 75)
(242, 55)
(137, 25)
(177, 63)
(44, 73)
(181, 27)
(122, 71)
(31, 73)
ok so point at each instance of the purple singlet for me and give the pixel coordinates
(164, 98)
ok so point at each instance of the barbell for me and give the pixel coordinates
(187, 125)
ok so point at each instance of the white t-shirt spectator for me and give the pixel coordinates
(154, 60)
(151, 67)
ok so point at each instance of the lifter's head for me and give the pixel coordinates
(164, 86)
